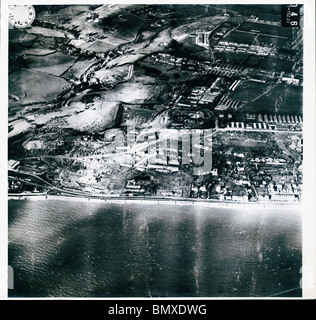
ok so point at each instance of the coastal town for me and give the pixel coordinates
(173, 102)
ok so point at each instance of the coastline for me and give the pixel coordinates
(155, 201)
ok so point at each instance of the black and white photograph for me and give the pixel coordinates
(155, 150)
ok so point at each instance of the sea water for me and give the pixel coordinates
(63, 248)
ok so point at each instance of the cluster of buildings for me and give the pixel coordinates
(201, 95)
(259, 179)
(172, 60)
(226, 46)
(226, 103)
(225, 70)
(257, 20)
(274, 180)
(269, 122)
(202, 39)
(233, 183)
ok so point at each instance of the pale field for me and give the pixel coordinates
(47, 32)
(100, 116)
(131, 93)
(204, 24)
(19, 126)
(48, 60)
(111, 74)
(39, 52)
(95, 116)
(34, 144)
(41, 119)
(32, 87)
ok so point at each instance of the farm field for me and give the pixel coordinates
(55, 64)
(33, 87)
(78, 68)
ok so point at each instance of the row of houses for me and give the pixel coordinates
(264, 126)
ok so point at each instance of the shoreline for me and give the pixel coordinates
(155, 201)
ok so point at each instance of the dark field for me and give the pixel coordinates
(278, 42)
(266, 29)
(282, 99)
(240, 37)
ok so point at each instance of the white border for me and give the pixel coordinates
(309, 160)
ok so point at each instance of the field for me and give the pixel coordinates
(99, 116)
(203, 24)
(248, 90)
(62, 14)
(101, 46)
(47, 32)
(266, 29)
(276, 41)
(113, 74)
(31, 87)
(281, 100)
(79, 67)
(233, 58)
(133, 93)
(276, 64)
(39, 52)
(136, 115)
(18, 126)
(240, 37)
(55, 64)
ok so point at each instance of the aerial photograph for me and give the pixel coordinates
(155, 150)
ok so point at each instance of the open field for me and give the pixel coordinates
(203, 24)
(99, 116)
(270, 63)
(276, 41)
(112, 74)
(18, 126)
(62, 14)
(101, 46)
(248, 90)
(20, 36)
(136, 115)
(47, 32)
(39, 52)
(78, 68)
(31, 87)
(282, 100)
(266, 29)
(55, 64)
(240, 37)
(133, 93)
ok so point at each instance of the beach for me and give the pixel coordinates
(156, 200)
